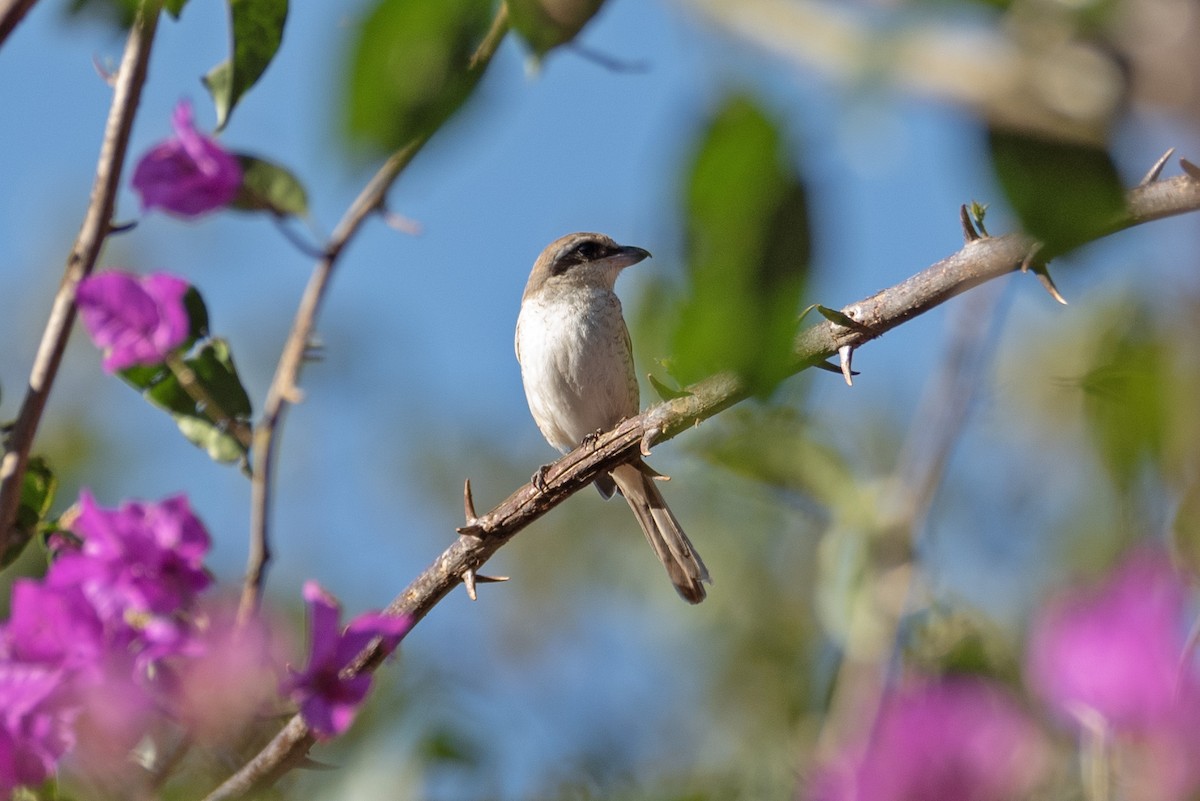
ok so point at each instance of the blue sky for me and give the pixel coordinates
(418, 329)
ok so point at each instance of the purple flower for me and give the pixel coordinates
(1114, 650)
(55, 627)
(35, 728)
(327, 700)
(133, 320)
(188, 174)
(959, 739)
(138, 567)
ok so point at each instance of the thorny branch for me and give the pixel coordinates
(981, 259)
(97, 225)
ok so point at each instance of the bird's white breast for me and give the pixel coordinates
(575, 364)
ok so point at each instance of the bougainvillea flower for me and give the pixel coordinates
(35, 727)
(189, 174)
(133, 320)
(961, 739)
(329, 701)
(1114, 649)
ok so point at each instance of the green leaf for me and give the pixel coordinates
(665, 392)
(269, 187)
(749, 249)
(37, 494)
(547, 24)
(257, 31)
(218, 379)
(1127, 395)
(1065, 194)
(174, 7)
(197, 316)
(409, 69)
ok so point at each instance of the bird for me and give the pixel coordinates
(577, 369)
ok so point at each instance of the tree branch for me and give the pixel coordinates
(284, 390)
(97, 222)
(11, 13)
(978, 261)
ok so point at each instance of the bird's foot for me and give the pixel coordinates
(591, 439)
(538, 479)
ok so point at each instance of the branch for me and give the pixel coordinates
(11, 13)
(284, 390)
(97, 224)
(980, 260)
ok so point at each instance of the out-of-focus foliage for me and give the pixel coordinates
(409, 68)
(547, 24)
(1065, 193)
(271, 188)
(748, 251)
(257, 31)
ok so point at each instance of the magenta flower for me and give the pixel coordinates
(1114, 650)
(328, 701)
(35, 728)
(133, 320)
(188, 174)
(960, 739)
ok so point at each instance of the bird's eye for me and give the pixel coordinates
(590, 251)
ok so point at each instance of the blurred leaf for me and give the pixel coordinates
(546, 24)
(1126, 398)
(665, 392)
(174, 7)
(1065, 194)
(257, 31)
(37, 494)
(749, 249)
(114, 12)
(269, 187)
(197, 315)
(216, 374)
(1185, 531)
(408, 68)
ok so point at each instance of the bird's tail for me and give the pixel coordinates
(663, 532)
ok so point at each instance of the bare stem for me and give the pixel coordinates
(11, 13)
(97, 224)
(979, 261)
(284, 390)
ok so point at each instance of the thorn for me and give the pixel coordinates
(293, 394)
(1191, 169)
(398, 222)
(469, 504)
(1157, 169)
(606, 61)
(120, 228)
(1028, 261)
(1043, 275)
(648, 440)
(471, 578)
(106, 72)
(830, 367)
(845, 355)
(969, 233)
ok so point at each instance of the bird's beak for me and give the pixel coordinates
(629, 255)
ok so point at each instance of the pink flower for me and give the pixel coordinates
(188, 174)
(133, 320)
(35, 727)
(328, 701)
(1114, 649)
(960, 739)
(1108, 658)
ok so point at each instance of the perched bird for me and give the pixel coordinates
(577, 367)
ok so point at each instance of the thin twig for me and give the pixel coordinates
(11, 13)
(97, 222)
(284, 390)
(977, 262)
